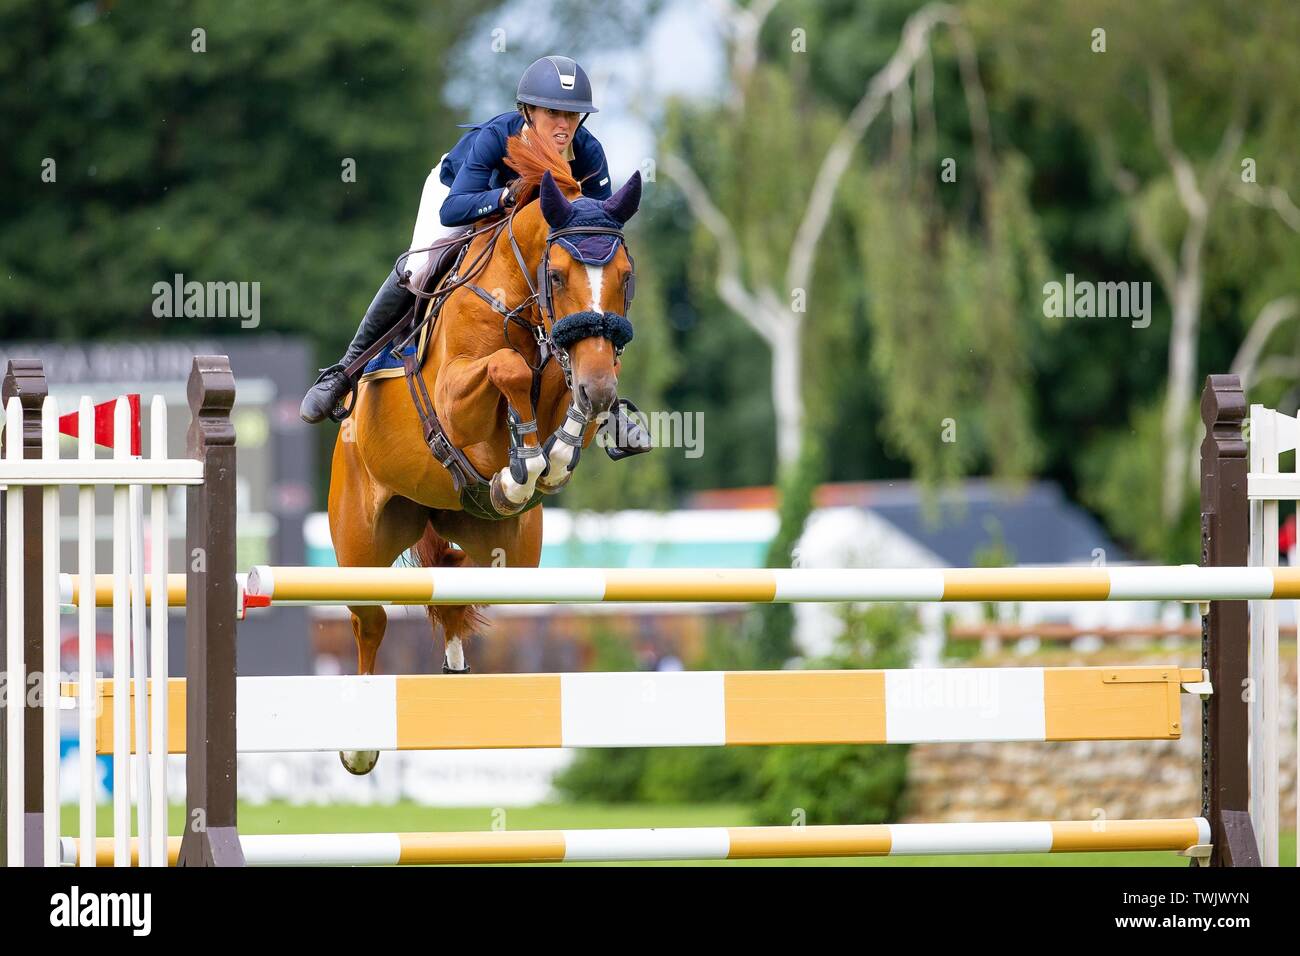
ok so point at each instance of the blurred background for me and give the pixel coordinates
(919, 285)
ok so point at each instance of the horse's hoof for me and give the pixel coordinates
(554, 488)
(502, 504)
(359, 762)
(448, 669)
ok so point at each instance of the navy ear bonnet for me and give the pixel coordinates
(590, 249)
(568, 221)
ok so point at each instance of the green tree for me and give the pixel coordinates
(803, 200)
(1181, 112)
(283, 144)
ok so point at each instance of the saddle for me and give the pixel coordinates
(444, 256)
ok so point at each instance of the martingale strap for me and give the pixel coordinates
(462, 470)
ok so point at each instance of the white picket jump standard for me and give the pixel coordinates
(123, 591)
(1272, 434)
(15, 691)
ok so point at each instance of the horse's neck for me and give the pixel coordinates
(470, 326)
(529, 233)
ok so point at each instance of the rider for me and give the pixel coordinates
(471, 182)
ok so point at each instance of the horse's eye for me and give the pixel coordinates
(556, 277)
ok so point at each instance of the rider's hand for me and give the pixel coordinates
(510, 195)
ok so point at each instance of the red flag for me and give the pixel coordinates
(104, 423)
(1286, 538)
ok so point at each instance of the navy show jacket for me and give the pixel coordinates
(476, 171)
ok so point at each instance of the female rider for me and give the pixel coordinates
(473, 181)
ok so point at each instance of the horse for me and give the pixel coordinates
(494, 393)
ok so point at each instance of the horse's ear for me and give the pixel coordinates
(624, 203)
(556, 210)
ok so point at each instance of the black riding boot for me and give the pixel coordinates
(389, 305)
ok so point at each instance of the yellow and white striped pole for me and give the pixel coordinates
(420, 586)
(356, 586)
(705, 843)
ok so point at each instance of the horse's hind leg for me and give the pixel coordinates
(366, 535)
(513, 543)
(458, 621)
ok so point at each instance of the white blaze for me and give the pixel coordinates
(596, 278)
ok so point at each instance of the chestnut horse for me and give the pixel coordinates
(389, 494)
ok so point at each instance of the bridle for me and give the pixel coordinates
(541, 295)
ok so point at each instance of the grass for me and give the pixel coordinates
(335, 818)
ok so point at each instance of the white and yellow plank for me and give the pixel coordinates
(704, 708)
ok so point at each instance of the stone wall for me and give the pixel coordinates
(1130, 779)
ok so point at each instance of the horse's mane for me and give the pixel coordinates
(530, 157)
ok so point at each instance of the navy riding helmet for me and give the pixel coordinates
(557, 83)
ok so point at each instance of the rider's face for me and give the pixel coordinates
(556, 126)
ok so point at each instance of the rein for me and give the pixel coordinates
(438, 296)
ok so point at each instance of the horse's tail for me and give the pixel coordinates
(435, 551)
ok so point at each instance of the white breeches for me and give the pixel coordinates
(428, 227)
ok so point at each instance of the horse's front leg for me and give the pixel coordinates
(513, 485)
(564, 446)
(470, 392)
(563, 449)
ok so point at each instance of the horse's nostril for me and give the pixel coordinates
(596, 396)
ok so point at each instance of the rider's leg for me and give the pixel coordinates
(428, 224)
(389, 305)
